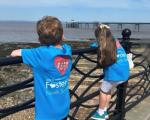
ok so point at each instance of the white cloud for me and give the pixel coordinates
(81, 3)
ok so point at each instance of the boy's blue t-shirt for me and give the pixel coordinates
(118, 71)
(51, 68)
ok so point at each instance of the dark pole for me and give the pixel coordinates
(121, 89)
(126, 33)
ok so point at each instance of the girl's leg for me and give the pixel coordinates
(108, 100)
(107, 87)
(105, 94)
(102, 100)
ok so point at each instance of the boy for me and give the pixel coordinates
(51, 64)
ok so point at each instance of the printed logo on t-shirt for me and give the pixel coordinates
(121, 55)
(61, 64)
(56, 86)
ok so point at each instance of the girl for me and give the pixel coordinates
(113, 59)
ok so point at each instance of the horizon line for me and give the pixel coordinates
(81, 22)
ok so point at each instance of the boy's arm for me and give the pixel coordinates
(16, 53)
(29, 56)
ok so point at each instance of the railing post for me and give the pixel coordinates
(126, 33)
(121, 89)
(120, 105)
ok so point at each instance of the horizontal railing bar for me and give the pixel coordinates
(15, 60)
(17, 84)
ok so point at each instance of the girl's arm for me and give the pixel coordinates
(16, 53)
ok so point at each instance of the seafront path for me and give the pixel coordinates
(140, 112)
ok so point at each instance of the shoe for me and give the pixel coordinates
(97, 116)
(106, 115)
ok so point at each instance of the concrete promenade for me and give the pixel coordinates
(140, 111)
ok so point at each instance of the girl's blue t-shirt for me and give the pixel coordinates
(118, 71)
(51, 67)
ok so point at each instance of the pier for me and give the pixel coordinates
(119, 25)
(86, 76)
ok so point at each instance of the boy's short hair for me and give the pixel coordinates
(50, 30)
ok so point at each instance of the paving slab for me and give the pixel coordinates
(140, 111)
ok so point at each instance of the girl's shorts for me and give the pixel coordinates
(107, 86)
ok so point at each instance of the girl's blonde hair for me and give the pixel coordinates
(107, 46)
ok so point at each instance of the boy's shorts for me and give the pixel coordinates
(107, 86)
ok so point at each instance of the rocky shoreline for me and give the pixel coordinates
(6, 48)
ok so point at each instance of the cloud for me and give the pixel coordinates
(79, 3)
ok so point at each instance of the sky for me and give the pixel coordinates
(78, 10)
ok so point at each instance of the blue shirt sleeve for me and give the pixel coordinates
(29, 57)
(94, 45)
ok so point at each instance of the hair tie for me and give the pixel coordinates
(104, 26)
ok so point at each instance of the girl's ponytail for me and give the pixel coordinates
(107, 46)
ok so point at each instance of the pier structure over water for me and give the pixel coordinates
(119, 25)
(84, 83)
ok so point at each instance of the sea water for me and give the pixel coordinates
(22, 31)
